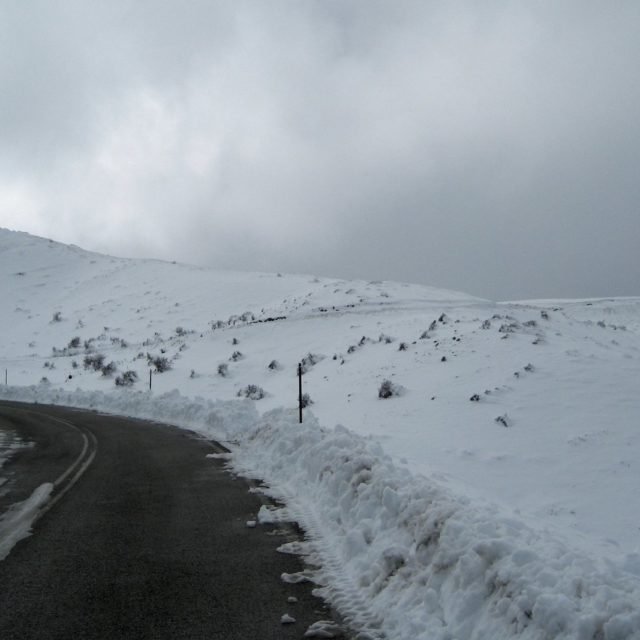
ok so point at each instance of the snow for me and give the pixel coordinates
(16, 522)
(425, 517)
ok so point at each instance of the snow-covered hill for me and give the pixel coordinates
(494, 494)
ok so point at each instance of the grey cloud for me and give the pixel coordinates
(491, 148)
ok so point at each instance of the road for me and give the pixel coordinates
(145, 537)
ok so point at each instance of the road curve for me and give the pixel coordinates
(144, 537)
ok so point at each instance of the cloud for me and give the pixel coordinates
(492, 148)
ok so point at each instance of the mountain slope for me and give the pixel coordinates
(530, 407)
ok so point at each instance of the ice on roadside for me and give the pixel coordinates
(16, 523)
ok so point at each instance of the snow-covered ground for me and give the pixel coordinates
(496, 495)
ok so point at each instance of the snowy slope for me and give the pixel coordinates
(444, 505)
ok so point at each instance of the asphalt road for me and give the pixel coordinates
(144, 537)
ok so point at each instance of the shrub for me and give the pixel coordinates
(57, 317)
(160, 363)
(223, 369)
(94, 361)
(74, 343)
(126, 379)
(109, 369)
(274, 365)
(306, 400)
(235, 356)
(403, 346)
(310, 360)
(503, 420)
(252, 391)
(389, 390)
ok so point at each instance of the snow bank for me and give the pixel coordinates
(222, 419)
(400, 556)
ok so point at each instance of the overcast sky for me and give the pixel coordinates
(491, 147)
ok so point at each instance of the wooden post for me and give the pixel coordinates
(6, 376)
(150, 374)
(300, 392)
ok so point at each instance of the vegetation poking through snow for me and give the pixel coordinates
(126, 379)
(389, 390)
(251, 391)
(310, 360)
(160, 363)
(503, 420)
(94, 361)
(109, 369)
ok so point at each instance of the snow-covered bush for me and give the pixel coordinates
(235, 356)
(126, 379)
(161, 363)
(94, 361)
(389, 390)
(503, 420)
(223, 369)
(310, 360)
(109, 369)
(251, 391)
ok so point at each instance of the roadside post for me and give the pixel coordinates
(150, 374)
(300, 392)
